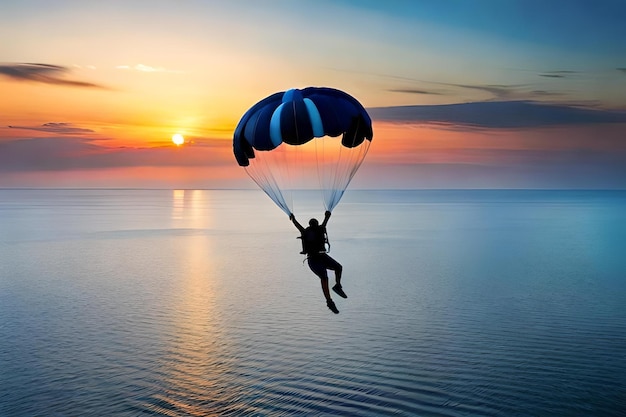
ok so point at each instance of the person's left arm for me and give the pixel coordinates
(326, 217)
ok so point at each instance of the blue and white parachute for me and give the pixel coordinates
(289, 142)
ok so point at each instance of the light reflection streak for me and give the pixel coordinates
(193, 375)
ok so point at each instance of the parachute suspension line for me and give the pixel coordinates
(272, 173)
(275, 182)
(347, 163)
(325, 172)
(290, 171)
(324, 176)
(358, 156)
(294, 164)
(260, 172)
(285, 169)
(327, 149)
(336, 190)
(331, 169)
(321, 162)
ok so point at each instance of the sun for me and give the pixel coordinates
(178, 139)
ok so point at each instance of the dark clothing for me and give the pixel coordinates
(314, 245)
(321, 262)
(314, 240)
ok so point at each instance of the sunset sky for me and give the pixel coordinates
(462, 93)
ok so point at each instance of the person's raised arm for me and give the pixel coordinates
(326, 217)
(295, 222)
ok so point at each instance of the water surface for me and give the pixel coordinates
(196, 302)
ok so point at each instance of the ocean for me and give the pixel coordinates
(198, 303)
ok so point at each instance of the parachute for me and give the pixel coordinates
(288, 142)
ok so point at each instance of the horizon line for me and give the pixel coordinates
(313, 190)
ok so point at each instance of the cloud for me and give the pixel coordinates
(558, 74)
(89, 67)
(145, 68)
(497, 91)
(82, 153)
(545, 93)
(498, 114)
(622, 70)
(42, 153)
(415, 91)
(43, 73)
(61, 128)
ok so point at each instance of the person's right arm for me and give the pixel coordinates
(295, 222)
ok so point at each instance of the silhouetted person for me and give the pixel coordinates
(314, 246)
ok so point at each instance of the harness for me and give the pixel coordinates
(326, 245)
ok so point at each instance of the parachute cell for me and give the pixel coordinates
(289, 141)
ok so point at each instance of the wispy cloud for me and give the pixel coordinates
(416, 91)
(622, 70)
(60, 128)
(43, 73)
(89, 67)
(417, 86)
(544, 93)
(146, 68)
(497, 91)
(498, 114)
(558, 74)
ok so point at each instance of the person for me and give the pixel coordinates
(314, 240)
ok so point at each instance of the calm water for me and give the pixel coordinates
(193, 303)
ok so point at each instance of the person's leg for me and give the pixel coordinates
(338, 270)
(329, 301)
(318, 268)
(335, 266)
(325, 288)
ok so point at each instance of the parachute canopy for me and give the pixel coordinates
(288, 141)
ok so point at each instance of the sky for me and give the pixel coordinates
(462, 94)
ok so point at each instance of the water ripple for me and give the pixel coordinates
(182, 316)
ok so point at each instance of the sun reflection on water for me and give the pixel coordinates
(193, 375)
(191, 209)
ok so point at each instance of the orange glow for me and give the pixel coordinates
(397, 143)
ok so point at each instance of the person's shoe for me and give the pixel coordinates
(331, 305)
(337, 288)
